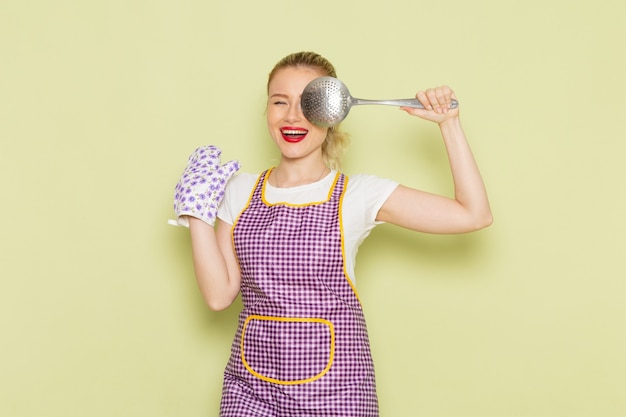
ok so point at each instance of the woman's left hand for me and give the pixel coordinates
(436, 103)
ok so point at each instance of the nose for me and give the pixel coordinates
(294, 113)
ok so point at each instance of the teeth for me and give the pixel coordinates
(294, 132)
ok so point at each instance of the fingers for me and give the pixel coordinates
(203, 152)
(438, 99)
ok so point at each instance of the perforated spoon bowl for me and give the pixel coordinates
(326, 101)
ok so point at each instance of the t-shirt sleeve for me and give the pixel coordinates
(236, 196)
(364, 197)
(374, 191)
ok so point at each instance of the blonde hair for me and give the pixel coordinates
(336, 141)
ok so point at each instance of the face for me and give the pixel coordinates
(294, 135)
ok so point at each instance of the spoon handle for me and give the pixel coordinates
(406, 102)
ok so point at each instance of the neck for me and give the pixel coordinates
(284, 177)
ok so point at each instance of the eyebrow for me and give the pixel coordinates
(279, 95)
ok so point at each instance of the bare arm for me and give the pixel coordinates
(215, 263)
(421, 211)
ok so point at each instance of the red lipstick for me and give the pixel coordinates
(293, 134)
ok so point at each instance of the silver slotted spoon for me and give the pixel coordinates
(326, 101)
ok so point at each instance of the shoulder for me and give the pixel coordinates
(366, 194)
(243, 181)
(370, 184)
(238, 190)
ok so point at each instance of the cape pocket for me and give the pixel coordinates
(287, 350)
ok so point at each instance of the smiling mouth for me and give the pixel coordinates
(293, 134)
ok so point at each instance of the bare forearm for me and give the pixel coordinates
(469, 188)
(218, 287)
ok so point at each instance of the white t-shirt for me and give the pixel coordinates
(363, 197)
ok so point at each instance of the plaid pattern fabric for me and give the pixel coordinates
(301, 347)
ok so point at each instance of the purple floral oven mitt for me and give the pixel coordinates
(201, 187)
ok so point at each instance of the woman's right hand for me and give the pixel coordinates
(201, 187)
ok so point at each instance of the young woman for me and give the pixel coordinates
(286, 239)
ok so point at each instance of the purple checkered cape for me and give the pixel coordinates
(301, 348)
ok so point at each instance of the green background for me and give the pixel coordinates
(102, 101)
